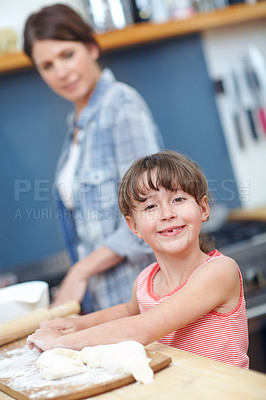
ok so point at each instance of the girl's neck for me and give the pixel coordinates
(176, 269)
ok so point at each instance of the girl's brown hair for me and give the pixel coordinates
(56, 22)
(165, 169)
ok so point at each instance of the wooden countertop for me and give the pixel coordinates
(151, 32)
(191, 377)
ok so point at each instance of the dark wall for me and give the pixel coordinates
(32, 128)
(172, 77)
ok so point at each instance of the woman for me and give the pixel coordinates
(109, 128)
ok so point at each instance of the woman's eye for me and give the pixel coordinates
(68, 54)
(47, 66)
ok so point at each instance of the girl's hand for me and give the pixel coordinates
(65, 325)
(44, 339)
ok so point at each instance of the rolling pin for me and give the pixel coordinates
(23, 326)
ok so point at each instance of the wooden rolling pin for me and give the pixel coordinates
(23, 326)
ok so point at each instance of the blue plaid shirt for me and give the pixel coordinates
(115, 128)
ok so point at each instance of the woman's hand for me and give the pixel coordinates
(73, 286)
(75, 283)
(44, 339)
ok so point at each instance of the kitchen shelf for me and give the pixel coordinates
(15, 61)
(151, 32)
(240, 214)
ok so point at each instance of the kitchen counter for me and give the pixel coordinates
(191, 377)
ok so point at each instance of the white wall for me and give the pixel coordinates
(225, 47)
(13, 13)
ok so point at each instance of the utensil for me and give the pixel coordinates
(27, 324)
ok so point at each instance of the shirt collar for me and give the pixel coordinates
(103, 84)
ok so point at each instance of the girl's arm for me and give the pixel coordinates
(70, 325)
(49, 330)
(214, 287)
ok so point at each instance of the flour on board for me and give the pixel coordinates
(19, 371)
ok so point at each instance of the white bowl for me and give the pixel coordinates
(22, 298)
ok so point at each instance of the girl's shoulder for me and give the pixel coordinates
(147, 273)
(218, 257)
(218, 265)
(224, 269)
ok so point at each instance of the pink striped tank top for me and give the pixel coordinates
(220, 336)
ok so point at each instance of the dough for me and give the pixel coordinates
(127, 357)
(60, 363)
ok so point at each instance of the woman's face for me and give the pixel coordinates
(69, 68)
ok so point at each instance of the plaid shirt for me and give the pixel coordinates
(115, 128)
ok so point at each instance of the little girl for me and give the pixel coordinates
(191, 298)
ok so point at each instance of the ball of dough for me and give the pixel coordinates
(60, 363)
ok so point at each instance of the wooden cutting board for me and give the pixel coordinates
(20, 378)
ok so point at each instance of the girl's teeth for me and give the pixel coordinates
(172, 230)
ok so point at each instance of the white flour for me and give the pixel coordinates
(19, 371)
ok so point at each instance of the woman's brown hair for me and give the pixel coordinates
(168, 169)
(56, 22)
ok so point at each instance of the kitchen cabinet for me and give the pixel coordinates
(151, 32)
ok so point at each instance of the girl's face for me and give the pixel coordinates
(170, 222)
(69, 68)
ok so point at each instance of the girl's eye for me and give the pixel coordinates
(149, 207)
(179, 199)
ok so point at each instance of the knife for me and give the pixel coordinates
(246, 101)
(230, 91)
(255, 70)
